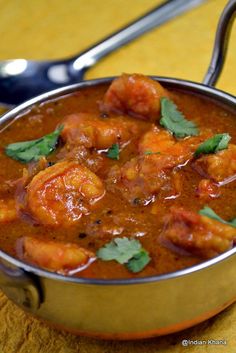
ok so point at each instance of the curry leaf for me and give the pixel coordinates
(216, 143)
(208, 212)
(138, 261)
(174, 121)
(113, 151)
(28, 151)
(125, 251)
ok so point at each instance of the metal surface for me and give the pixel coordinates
(221, 44)
(19, 286)
(22, 79)
(108, 308)
(128, 308)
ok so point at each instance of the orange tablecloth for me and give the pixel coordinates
(180, 48)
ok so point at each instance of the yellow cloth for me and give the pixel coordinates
(20, 333)
(181, 48)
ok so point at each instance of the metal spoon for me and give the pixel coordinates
(22, 79)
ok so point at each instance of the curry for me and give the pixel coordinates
(120, 181)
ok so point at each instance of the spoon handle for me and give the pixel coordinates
(151, 19)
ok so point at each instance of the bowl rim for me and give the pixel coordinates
(197, 88)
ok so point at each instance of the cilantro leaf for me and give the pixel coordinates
(216, 143)
(138, 262)
(113, 151)
(28, 151)
(119, 249)
(150, 153)
(208, 212)
(125, 251)
(174, 121)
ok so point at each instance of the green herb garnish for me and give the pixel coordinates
(113, 151)
(125, 251)
(28, 151)
(216, 143)
(174, 121)
(138, 261)
(148, 153)
(119, 249)
(208, 212)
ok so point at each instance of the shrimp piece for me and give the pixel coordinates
(8, 212)
(218, 166)
(144, 176)
(155, 141)
(62, 193)
(55, 256)
(136, 95)
(141, 178)
(197, 234)
(90, 130)
(207, 190)
(158, 140)
(91, 159)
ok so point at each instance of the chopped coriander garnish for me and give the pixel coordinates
(208, 212)
(113, 151)
(174, 121)
(29, 151)
(125, 251)
(119, 249)
(150, 152)
(138, 261)
(216, 143)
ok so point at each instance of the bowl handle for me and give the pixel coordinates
(221, 44)
(19, 286)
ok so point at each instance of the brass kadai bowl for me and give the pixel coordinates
(129, 308)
